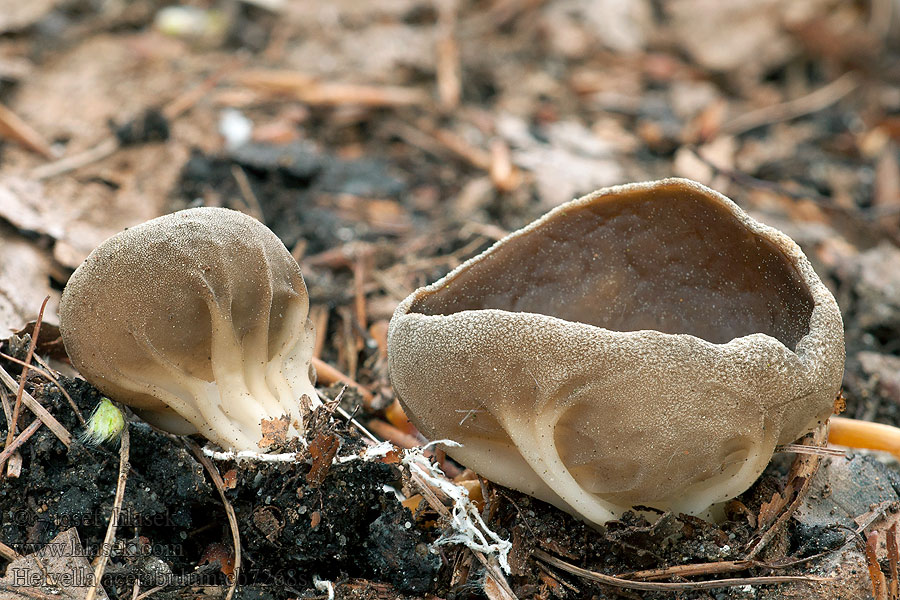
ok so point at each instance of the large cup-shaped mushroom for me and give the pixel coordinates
(198, 320)
(647, 344)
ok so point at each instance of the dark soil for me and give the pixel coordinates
(376, 200)
(291, 530)
(343, 523)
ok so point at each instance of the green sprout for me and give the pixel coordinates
(105, 424)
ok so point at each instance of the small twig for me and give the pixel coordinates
(391, 285)
(357, 424)
(649, 586)
(879, 588)
(692, 570)
(106, 548)
(229, 510)
(28, 592)
(49, 577)
(443, 142)
(477, 157)
(17, 407)
(813, 102)
(337, 408)
(299, 249)
(725, 566)
(318, 314)
(348, 350)
(76, 161)
(152, 591)
(13, 127)
(187, 100)
(448, 62)
(250, 199)
(559, 580)
(378, 331)
(42, 413)
(309, 90)
(393, 435)
(45, 372)
(9, 553)
(805, 466)
(875, 513)
(893, 559)
(327, 375)
(363, 255)
(48, 373)
(334, 258)
(425, 142)
(502, 13)
(18, 441)
(504, 174)
(4, 399)
(801, 449)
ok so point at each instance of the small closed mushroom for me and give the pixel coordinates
(647, 344)
(199, 321)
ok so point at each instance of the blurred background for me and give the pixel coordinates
(385, 142)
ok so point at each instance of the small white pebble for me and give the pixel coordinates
(235, 128)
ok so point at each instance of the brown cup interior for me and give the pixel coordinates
(669, 259)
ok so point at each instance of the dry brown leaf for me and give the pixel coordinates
(128, 187)
(61, 565)
(274, 431)
(323, 449)
(24, 283)
(23, 204)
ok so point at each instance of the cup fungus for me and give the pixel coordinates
(197, 320)
(647, 344)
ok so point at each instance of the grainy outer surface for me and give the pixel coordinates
(198, 319)
(595, 420)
